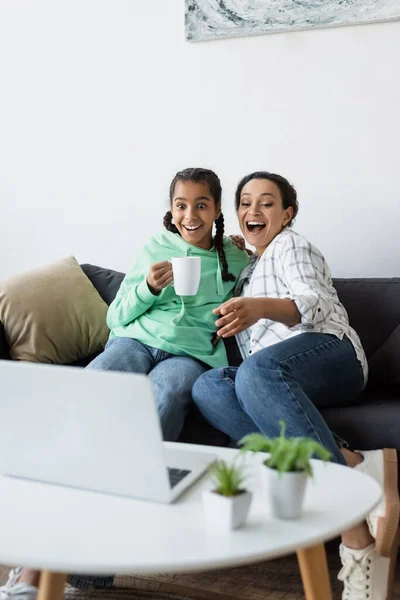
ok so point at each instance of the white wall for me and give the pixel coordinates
(101, 101)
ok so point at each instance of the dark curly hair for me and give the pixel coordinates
(208, 177)
(288, 192)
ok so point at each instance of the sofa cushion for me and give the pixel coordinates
(373, 306)
(53, 314)
(197, 430)
(370, 423)
(384, 364)
(106, 281)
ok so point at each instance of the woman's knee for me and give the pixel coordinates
(255, 379)
(252, 372)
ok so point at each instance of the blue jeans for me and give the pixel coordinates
(290, 381)
(172, 377)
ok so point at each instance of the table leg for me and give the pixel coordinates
(314, 573)
(51, 586)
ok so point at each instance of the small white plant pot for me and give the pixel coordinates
(225, 512)
(285, 492)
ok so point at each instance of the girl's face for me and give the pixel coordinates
(194, 212)
(261, 214)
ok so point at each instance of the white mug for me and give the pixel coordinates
(186, 271)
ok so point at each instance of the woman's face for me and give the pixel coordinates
(261, 214)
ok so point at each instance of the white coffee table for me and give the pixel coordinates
(62, 530)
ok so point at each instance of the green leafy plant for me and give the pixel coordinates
(287, 454)
(227, 478)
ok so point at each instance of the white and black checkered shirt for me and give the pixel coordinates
(291, 267)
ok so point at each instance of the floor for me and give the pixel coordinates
(272, 580)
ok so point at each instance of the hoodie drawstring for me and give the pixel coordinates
(179, 316)
(220, 283)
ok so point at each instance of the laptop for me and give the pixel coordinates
(96, 430)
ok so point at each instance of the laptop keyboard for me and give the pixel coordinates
(176, 475)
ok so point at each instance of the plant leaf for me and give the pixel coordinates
(287, 454)
(228, 478)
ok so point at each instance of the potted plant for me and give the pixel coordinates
(226, 506)
(287, 468)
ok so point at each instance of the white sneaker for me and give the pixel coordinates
(20, 591)
(365, 574)
(383, 520)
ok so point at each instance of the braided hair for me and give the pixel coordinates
(168, 224)
(219, 246)
(207, 176)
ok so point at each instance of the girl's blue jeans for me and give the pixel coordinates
(172, 377)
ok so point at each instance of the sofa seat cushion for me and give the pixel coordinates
(197, 430)
(53, 314)
(371, 423)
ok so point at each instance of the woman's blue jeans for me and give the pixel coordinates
(288, 381)
(172, 377)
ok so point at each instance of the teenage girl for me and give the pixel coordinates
(154, 331)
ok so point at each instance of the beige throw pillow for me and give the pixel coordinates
(53, 314)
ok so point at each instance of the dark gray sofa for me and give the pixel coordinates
(373, 305)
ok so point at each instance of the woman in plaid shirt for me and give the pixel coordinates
(299, 354)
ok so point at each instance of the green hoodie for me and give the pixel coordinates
(183, 326)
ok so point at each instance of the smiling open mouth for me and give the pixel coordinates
(255, 226)
(191, 228)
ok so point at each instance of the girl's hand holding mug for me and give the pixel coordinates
(160, 275)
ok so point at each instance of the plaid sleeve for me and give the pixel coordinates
(308, 279)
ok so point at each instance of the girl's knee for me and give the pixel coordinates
(204, 387)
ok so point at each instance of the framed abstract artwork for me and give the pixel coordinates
(212, 19)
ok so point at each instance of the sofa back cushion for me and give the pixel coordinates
(373, 306)
(106, 281)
